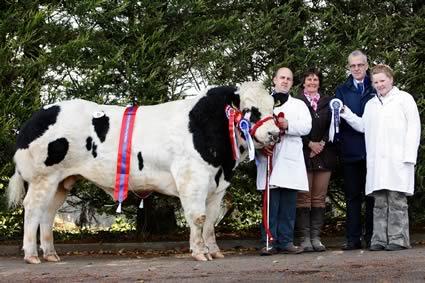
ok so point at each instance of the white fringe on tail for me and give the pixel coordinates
(15, 190)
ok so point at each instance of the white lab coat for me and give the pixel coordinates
(289, 170)
(392, 130)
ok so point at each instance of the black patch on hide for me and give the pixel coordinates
(56, 151)
(101, 127)
(91, 146)
(94, 148)
(241, 149)
(36, 126)
(255, 115)
(140, 159)
(209, 126)
(89, 142)
(217, 177)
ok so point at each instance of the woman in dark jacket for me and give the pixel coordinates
(320, 159)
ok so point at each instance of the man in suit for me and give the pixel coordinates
(355, 92)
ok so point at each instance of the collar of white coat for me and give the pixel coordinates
(390, 94)
(289, 101)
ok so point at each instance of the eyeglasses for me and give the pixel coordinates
(354, 66)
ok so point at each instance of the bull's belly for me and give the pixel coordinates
(147, 180)
(157, 181)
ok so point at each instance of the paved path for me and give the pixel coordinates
(171, 262)
(244, 266)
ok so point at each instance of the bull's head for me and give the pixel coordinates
(256, 105)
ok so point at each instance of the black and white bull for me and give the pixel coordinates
(180, 148)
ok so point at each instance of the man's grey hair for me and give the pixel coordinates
(357, 53)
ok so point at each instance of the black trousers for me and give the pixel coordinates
(354, 188)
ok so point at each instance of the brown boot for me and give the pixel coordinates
(317, 218)
(303, 224)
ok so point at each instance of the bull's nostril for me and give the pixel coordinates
(274, 136)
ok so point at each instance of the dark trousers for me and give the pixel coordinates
(354, 187)
(282, 211)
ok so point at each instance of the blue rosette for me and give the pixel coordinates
(336, 105)
(245, 127)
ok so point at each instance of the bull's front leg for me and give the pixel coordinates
(197, 244)
(213, 211)
(194, 210)
(192, 182)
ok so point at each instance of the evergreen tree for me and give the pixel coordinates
(148, 52)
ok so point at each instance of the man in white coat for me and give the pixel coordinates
(288, 174)
(392, 130)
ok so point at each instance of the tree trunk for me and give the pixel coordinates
(154, 220)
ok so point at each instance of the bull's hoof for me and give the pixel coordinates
(52, 258)
(200, 257)
(32, 259)
(217, 254)
(209, 257)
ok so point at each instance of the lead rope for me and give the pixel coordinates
(266, 202)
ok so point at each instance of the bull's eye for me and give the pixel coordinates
(255, 115)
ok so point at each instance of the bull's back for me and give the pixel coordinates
(57, 137)
(79, 137)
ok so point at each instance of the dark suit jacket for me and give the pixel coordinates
(352, 142)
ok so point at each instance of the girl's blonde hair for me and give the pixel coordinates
(383, 68)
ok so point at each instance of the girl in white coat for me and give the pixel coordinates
(392, 129)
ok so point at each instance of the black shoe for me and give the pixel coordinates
(351, 246)
(376, 247)
(394, 247)
(291, 249)
(271, 251)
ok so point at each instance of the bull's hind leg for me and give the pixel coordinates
(213, 211)
(35, 203)
(192, 185)
(46, 225)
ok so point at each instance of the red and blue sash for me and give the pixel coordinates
(124, 155)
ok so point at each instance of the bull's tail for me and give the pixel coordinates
(15, 190)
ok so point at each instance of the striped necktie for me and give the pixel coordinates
(360, 87)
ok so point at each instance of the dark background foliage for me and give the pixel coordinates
(148, 52)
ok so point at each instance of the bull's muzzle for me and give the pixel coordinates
(274, 137)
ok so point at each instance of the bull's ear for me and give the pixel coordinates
(236, 99)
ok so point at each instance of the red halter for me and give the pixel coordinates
(259, 124)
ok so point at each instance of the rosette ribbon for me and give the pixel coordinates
(336, 106)
(231, 114)
(245, 127)
(124, 155)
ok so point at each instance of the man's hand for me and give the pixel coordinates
(268, 150)
(283, 124)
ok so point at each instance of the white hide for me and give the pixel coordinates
(172, 165)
